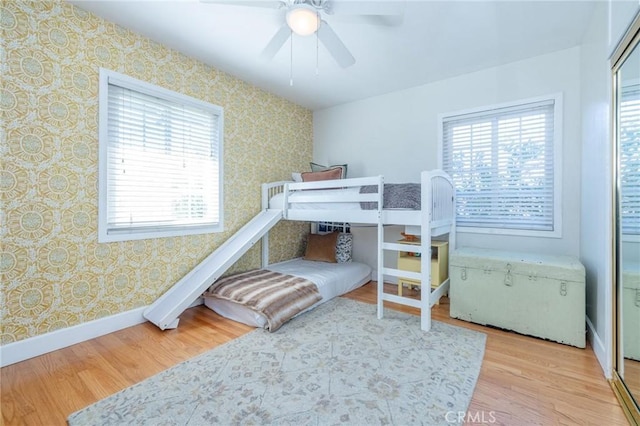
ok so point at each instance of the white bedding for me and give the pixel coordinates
(332, 279)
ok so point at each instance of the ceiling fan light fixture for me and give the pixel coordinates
(303, 19)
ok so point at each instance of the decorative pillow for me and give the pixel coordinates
(321, 247)
(329, 174)
(315, 167)
(296, 177)
(344, 246)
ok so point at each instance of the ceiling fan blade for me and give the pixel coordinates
(376, 8)
(335, 46)
(276, 42)
(269, 4)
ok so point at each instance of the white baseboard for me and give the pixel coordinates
(39, 345)
(599, 349)
(49, 342)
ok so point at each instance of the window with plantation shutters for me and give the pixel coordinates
(160, 161)
(504, 164)
(630, 160)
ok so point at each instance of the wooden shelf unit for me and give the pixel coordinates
(408, 261)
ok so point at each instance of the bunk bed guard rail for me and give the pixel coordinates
(297, 194)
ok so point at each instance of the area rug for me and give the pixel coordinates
(335, 364)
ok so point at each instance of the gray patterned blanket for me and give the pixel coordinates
(396, 196)
(279, 297)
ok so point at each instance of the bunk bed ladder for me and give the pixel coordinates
(424, 276)
(424, 250)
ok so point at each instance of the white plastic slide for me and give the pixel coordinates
(165, 311)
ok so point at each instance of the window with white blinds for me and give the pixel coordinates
(160, 161)
(504, 167)
(630, 160)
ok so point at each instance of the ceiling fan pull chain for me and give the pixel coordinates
(317, 50)
(291, 62)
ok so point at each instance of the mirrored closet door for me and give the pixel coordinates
(626, 116)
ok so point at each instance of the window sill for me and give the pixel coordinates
(124, 235)
(510, 232)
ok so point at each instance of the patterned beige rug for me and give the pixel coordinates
(335, 364)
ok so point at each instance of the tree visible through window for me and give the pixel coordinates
(159, 161)
(502, 162)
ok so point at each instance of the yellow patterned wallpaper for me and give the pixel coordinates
(54, 274)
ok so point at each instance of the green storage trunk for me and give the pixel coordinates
(536, 295)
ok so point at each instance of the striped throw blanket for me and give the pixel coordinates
(277, 296)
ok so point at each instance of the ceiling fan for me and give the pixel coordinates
(305, 17)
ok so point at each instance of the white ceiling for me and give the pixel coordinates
(436, 40)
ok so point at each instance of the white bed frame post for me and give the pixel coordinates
(425, 257)
(380, 249)
(452, 233)
(268, 191)
(265, 238)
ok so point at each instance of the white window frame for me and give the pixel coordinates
(557, 164)
(105, 233)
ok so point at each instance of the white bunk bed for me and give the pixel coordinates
(340, 201)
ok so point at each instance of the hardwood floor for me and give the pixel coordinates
(523, 380)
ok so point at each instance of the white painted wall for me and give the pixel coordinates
(620, 15)
(596, 209)
(396, 135)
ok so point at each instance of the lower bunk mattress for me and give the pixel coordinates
(331, 280)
